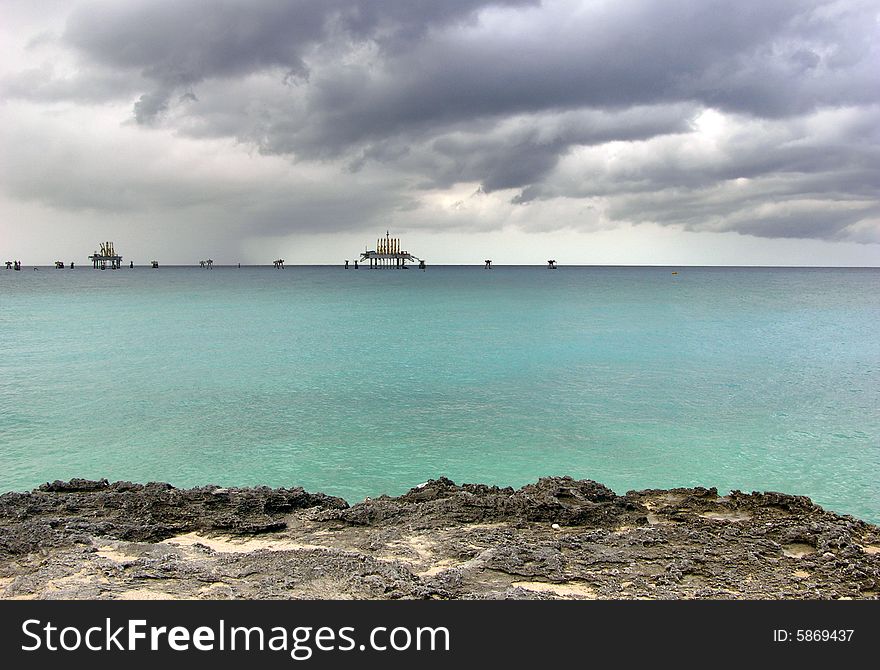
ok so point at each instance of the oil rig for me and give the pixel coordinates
(388, 254)
(108, 255)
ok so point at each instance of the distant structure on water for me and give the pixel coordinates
(279, 264)
(388, 254)
(108, 255)
(209, 264)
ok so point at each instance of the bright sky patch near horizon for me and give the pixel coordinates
(626, 132)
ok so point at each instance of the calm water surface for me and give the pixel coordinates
(364, 382)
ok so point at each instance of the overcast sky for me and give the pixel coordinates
(618, 131)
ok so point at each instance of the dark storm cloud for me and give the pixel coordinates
(745, 58)
(507, 93)
(180, 43)
(434, 66)
(523, 155)
(810, 178)
(842, 148)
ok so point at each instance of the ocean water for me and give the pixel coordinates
(358, 383)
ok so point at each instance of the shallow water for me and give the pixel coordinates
(358, 383)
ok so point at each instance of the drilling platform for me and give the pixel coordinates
(108, 255)
(388, 254)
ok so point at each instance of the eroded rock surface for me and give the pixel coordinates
(557, 538)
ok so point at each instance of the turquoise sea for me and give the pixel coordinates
(358, 383)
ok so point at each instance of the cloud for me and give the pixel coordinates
(756, 117)
(815, 176)
(175, 44)
(72, 162)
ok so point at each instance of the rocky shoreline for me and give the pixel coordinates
(556, 538)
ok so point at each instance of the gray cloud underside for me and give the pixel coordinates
(501, 93)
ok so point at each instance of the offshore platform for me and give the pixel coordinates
(388, 254)
(108, 255)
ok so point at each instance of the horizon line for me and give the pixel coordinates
(236, 265)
